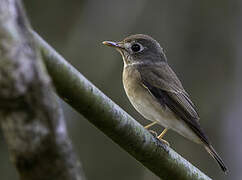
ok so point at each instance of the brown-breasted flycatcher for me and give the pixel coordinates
(156, 92)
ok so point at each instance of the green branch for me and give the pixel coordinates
(88, 100)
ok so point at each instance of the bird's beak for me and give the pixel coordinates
(114, 44)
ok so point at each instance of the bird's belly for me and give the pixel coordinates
(153, 111)
(150, 108)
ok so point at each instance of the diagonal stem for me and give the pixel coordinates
(99, 110)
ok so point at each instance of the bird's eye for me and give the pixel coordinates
(135, 47)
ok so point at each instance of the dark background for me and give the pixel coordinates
(202, 40)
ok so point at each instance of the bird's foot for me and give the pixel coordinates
(162, 135)
(164, 141)
(153, 133)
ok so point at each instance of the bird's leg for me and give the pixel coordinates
(162, 133)
(149, 125)
(161, 136)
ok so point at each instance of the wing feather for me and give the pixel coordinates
(164, 85)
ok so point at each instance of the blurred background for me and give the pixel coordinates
(202, 40)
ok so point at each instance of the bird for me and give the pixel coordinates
(156, 93)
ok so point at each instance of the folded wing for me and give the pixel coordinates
(164, 85)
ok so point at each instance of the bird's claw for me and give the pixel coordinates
(164, 141)
(153, 133)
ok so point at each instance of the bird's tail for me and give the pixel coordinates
(214, 154)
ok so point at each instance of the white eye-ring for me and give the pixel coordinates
(136, 47)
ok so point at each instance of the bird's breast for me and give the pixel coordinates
(142, 100)
(148, 106)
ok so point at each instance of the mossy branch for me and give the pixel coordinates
(88, 100)
(30, 117)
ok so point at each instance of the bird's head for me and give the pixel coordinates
(139, 48)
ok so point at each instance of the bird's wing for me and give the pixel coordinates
(164, 85)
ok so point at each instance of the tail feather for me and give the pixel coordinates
(214, 154)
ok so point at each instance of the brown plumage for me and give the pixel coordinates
(176, 99)
(156, 92)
